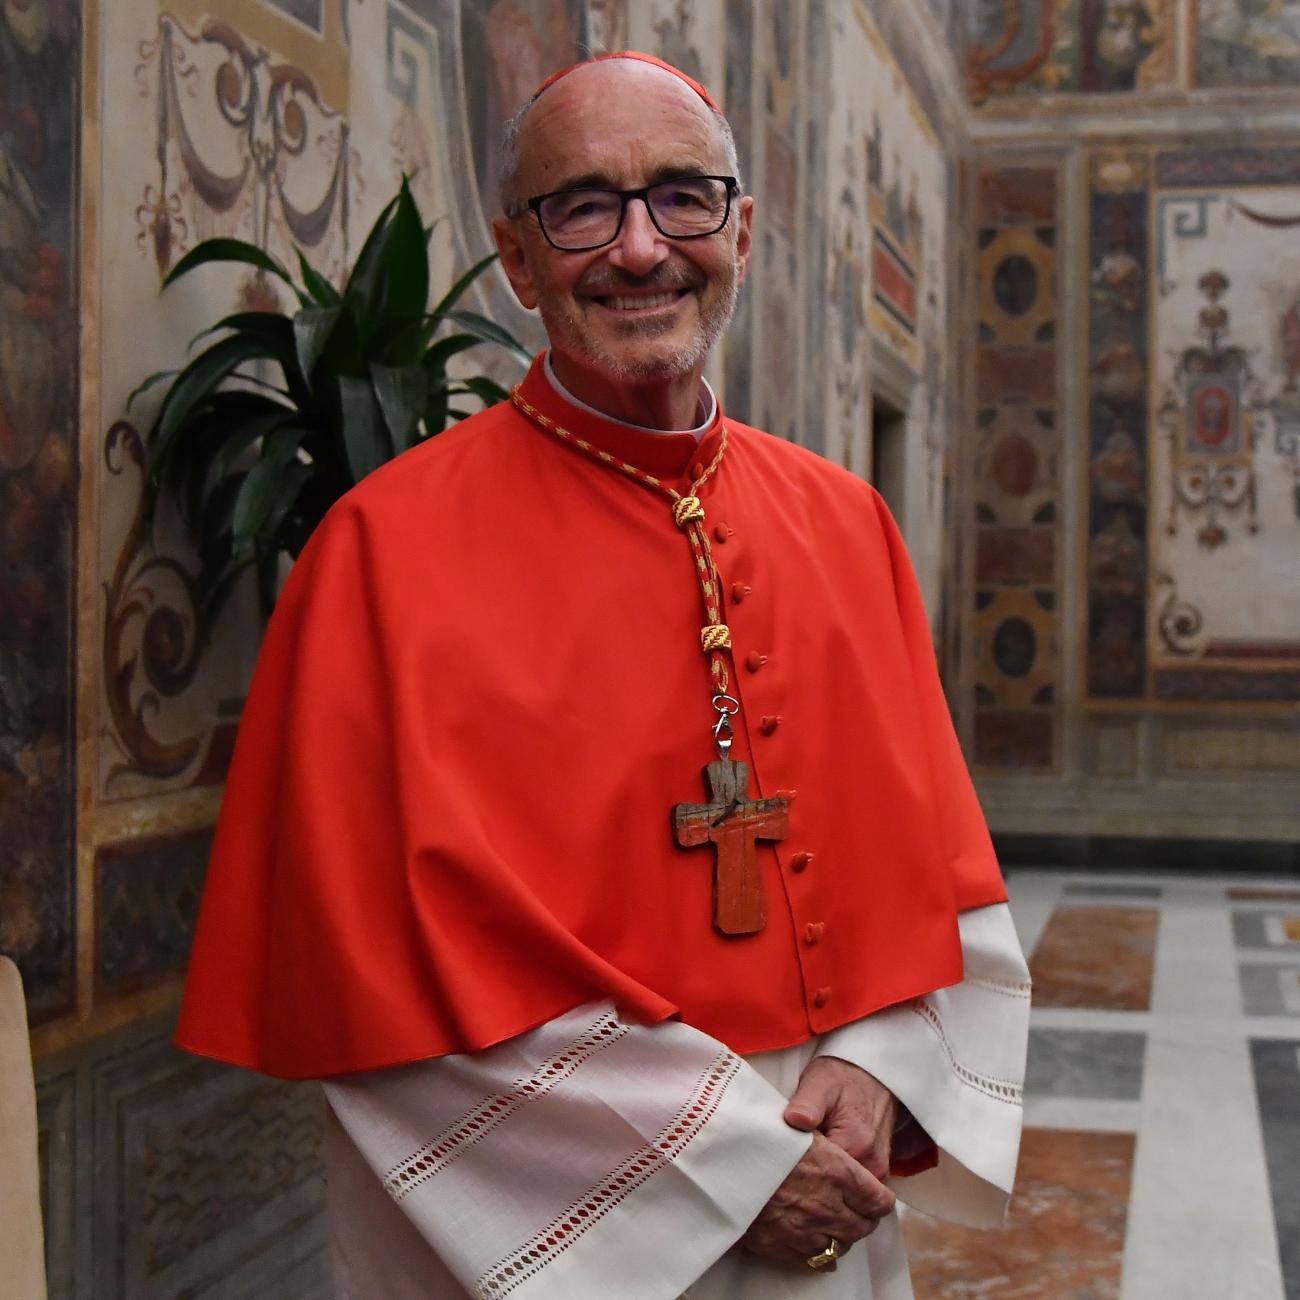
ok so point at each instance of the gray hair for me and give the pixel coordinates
(513, 129)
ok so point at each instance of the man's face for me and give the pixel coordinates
(645, 307)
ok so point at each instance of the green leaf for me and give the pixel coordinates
(312, 328)
(452, 296)
(261, 489)
(295, 478)
(436, 358)
(227, 250)
(216, 420)
(406, 295)
(363, 289)
(146, 384)
(364, 435)
(488, 391)
(276, 331)
(490, 332)
(402, 392)
(320, 289)
(194, 383)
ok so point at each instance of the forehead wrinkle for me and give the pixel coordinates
(572, 117)
(604, 180)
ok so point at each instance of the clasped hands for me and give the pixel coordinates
(837, 1189)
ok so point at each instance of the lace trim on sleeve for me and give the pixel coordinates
(470, 1128)
(1008, 1090)
(568, 1226)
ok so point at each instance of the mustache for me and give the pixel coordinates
(605, 280)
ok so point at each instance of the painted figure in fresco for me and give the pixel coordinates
(1249, 42)
(634, 960)
(1117, 468)
(1115, 34)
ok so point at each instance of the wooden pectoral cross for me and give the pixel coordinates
(733, 823)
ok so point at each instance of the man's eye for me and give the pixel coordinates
(682, 199)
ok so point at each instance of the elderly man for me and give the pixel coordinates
(597, 829)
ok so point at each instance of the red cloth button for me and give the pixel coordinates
(821, 998)
(769, 724)
(739, 591)
(697, 469)
(721, 532)
(800, 861)
(754, 661)
(813, 932)
(789, 796)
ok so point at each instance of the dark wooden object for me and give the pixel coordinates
(733, 823)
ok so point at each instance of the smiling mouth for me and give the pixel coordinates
(641, 302)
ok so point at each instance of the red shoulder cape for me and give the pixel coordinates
(479, 698)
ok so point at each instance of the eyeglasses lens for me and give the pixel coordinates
(683, 208)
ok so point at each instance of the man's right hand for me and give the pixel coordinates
(827, 1194)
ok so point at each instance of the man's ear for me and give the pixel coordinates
(744, 234)
(514, 261)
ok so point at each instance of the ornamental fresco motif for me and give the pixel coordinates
(1246, 44)
(1208, 415)
(1192, 376)
(1026, 47)
(1015, 623)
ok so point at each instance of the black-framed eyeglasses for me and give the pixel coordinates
(687, 207)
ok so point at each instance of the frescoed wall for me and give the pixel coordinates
(1177, 613)
(1014, 615)
(1028, 47)
(890, 211)
(1246, 42)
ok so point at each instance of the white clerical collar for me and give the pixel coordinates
(708, 405)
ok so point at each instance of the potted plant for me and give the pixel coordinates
(254, 460)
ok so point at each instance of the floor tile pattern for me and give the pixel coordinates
(1266, 930)
(1277, 1083)
(1272, 990)
(1085, 1063)
(1105, 889)
(1161, 1156)
(1065, 1235)
(1096, 957)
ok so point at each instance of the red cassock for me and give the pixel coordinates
(480, 697)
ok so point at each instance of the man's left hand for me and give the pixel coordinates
(851, 1107)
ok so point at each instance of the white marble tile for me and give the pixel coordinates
(1200, 1215)
(1083, 1116)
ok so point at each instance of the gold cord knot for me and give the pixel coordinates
(717, 636)
(686, 510)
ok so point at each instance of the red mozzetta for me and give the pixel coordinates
(449, 817)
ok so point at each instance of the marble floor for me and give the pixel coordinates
(1161, 1156)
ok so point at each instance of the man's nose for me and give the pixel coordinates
(639, 247)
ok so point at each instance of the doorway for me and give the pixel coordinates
(889, 453)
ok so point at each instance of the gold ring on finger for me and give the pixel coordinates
(824, 1258)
